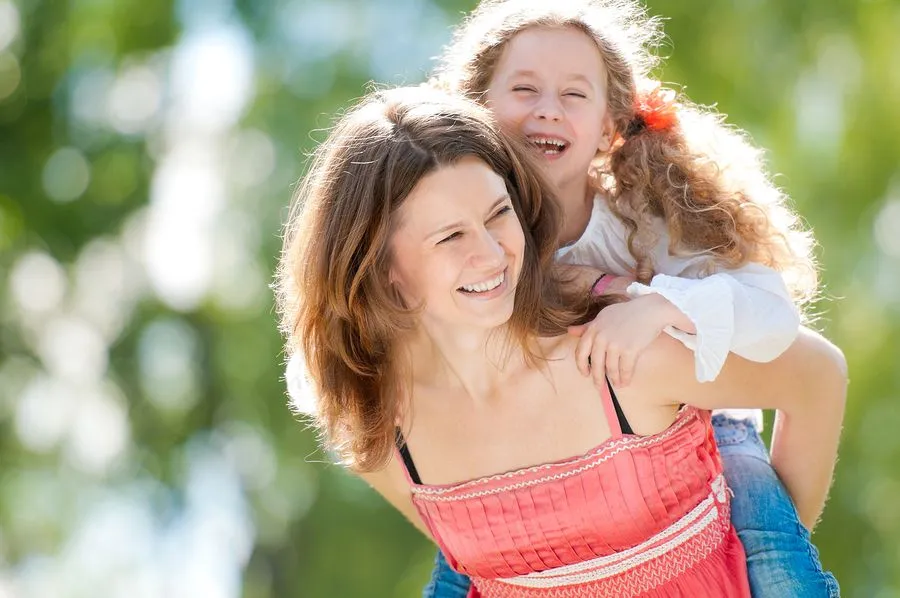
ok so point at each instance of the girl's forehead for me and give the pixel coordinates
(562, 48)
(539, 34)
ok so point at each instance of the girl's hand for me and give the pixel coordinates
(612, 343)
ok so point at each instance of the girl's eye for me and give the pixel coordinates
(450, 237)
(524, 88)
(576, 94)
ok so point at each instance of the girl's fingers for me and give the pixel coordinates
(583, 354)
(612, 365)
(599, 357)
(626, 367)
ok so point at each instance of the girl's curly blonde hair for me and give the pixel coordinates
(703, 178)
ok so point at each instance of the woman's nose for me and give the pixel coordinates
(488, 251)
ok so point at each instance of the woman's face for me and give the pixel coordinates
(550, 86)
(458, 246)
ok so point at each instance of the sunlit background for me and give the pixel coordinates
(147, 153)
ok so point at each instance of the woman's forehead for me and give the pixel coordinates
(455, 190)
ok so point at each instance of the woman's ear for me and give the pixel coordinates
(394, 287)
(394, 278)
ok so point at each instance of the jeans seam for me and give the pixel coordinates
(831, 584)
(811, 551)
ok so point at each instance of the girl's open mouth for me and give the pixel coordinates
(549, 146)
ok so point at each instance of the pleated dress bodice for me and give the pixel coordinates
(635, 516)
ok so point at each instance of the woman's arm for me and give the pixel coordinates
(807, 384)
(391, 483)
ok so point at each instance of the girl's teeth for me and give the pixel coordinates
(485, 286)
(547, 141)
(549, 146)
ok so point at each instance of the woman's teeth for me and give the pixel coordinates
(487, 285)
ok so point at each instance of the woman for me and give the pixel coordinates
(418, 283)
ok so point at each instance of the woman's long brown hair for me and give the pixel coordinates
(336, 305)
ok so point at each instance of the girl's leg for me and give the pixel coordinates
(781, 560)
(445, 582)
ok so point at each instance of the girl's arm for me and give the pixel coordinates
(807, 384)
(747, 311)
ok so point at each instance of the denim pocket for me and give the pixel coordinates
(729, 431)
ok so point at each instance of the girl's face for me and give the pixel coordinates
(458, 247)
(550, 85)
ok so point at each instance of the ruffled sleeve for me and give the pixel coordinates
(747, 311)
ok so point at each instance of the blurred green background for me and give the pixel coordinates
(148, 151)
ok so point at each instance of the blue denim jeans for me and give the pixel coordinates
(781, 560)
(445, 582)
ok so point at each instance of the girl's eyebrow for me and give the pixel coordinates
(571, 77)
(580, 78)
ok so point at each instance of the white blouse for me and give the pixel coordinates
(748, 311)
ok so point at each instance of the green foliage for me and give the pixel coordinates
(148, 151)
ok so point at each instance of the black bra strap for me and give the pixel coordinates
(403, 449)
(623, 421)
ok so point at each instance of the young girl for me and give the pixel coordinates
(418, 283)
(660, 190)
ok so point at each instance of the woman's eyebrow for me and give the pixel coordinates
(451, 226)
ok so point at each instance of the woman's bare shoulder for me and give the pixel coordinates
(558, 348)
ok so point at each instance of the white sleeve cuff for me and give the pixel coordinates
(708, 303)
(302, 398)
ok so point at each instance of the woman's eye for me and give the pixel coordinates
(524, 88)
(576, 94)
(450, 237)
(501, 212)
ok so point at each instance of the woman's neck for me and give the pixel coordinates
(577, 200)
(476, 361)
